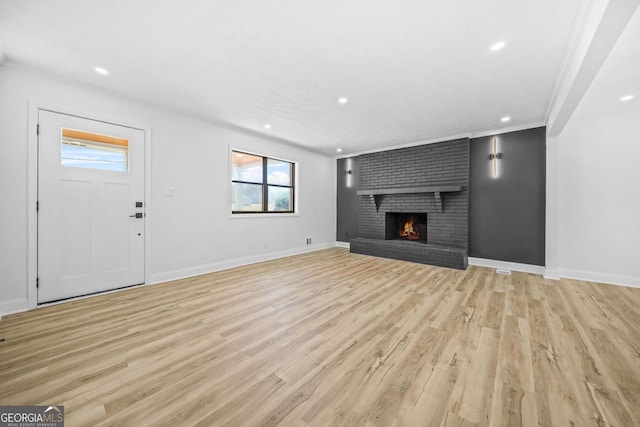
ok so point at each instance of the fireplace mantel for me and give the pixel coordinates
(435, 189)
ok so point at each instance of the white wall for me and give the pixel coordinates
(598, 196)
(593, 154)
(187, 154)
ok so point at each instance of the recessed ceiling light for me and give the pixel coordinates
(497, 46)
(627, 98)
(267, 126)
(342, 100)
(339, 150)
(505, 119)
(101, 70)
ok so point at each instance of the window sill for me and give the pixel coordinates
(263, 215)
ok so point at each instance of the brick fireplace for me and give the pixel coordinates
(428, 182)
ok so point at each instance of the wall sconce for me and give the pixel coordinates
(348, 172)
(495, 156)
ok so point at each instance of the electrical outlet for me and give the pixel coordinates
(308, 240)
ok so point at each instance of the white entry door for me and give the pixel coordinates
(91, 205)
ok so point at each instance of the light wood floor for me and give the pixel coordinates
(332, 338)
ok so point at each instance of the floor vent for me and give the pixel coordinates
(503, 271)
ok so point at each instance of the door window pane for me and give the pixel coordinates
(87, 150)
(246, 197)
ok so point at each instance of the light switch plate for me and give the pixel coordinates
(167, 191)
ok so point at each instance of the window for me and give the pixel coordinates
(261, 184)
(87, 150)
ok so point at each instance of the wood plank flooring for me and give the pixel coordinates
(333, 338)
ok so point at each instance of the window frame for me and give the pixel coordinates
(265, 186)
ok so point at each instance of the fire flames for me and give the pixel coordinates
(408, 231)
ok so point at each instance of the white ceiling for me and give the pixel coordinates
(411, 70)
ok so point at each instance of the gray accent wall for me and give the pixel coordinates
(506, 218)
(507, 212)
(347, 200)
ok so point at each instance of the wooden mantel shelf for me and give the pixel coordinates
(435, 189)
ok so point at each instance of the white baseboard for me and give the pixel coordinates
(557, 274)
(19, 305)
(12, 306)
(552, 274)
(610, 279)
(514, 266)
(184, 273)
(343, 244)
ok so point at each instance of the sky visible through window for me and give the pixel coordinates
(278, 173)
(84, 156)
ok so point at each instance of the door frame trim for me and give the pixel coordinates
(32, 188)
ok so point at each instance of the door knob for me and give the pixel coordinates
(137, 215)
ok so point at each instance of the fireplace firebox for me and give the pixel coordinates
(406, 226)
